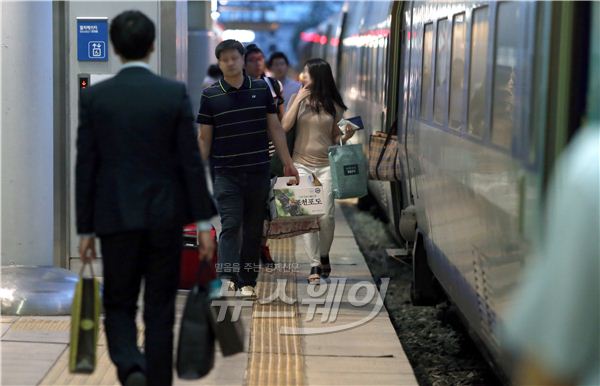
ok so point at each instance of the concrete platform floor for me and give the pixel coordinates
(337, 333)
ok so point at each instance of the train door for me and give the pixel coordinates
(398, 104)
(567, 75)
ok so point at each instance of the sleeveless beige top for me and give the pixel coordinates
(314, 134)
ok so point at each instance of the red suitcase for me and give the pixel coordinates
(190, 262)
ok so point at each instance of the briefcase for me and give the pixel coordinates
(85, 319)
(196, 347)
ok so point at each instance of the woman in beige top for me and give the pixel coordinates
(315, 111)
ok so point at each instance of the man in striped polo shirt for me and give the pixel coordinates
(238, 117)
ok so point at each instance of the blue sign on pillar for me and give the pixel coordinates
(92, 39)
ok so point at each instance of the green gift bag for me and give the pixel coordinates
(348, 171)
(85, 317)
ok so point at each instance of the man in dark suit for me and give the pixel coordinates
(139, 179)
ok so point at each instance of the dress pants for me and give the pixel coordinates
(127, 257)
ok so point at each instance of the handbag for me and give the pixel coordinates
(85, 318)
(228, 332)
(196, 347)
(348, 171)
(383, 155)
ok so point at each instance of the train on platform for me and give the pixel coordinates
(485, 95)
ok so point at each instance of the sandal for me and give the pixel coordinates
(325, 267)
(315, 275)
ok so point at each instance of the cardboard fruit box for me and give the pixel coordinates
(302, 201)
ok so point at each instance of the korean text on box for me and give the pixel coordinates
(297, 201)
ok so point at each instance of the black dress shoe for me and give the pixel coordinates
(137, 378)
(325, 267)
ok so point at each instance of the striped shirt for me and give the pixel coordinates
(239, 121)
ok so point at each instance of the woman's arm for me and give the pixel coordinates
(345, 137)
(337, 132)
(289, 118)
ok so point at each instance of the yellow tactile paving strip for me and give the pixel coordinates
(105, 373)
(276, 359)
(34, 325)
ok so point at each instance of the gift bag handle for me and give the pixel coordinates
(392, 129)
(83, 268)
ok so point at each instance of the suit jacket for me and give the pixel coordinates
(138, 162)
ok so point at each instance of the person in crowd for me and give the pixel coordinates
(254, 62)
(213, 74)
(237, 117)
(553, 327)
(139, 180)
(315, 111)
(279, 64)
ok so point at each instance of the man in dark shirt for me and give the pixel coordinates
(238, 117)
(254, 60)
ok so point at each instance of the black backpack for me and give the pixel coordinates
(276, 88)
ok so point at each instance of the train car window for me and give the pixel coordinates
(363, 71)
(371, 66)
(440, 107)
(478, 75)
(367, 71)
(508, 82)
(384, 68)
(353, 79)
(427, 73)
(380, 69)
(354, 74)
(376, 79)
(361, 59)
(374, 66)
(359, 66)
(376, 70)
(457, 73)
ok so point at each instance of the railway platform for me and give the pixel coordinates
(337, 333)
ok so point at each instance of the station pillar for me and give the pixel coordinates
(26, 133)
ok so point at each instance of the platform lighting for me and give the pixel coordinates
(7, 294)
(241, 35)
